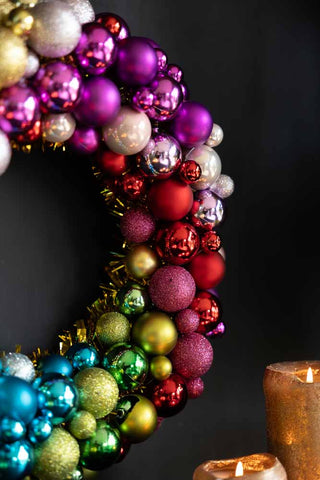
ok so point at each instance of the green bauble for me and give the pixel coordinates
(102, 449)
(127, 364)
(83, 425)
(132, 299)
(111, 328)
(136, 418)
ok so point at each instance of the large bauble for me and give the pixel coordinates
(192, 356)
(18, 399)
(136, 62)
(13, 57)
(155, 333)
(112, 328)
(192, 125)
(170, 199)
(210, 165)
(207, 269)
(169, 396)
(136, 418)
(177, 243)
(161, 157)
(19, 109)
(102, 448)
(18, 365)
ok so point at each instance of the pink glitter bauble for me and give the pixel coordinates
(192, 356)
(172, 288)
(137, 225)
(187, 321)
(195, 387)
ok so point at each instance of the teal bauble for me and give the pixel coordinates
(132, 299)
(16, 460)
(39, 429)
(60, 396)
(83, 355)
(102, 449)
(18, 399)
(11, 430)
(55, 364)
(127, 364)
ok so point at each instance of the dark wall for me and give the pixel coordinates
(256, 64)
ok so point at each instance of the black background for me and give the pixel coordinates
(256, 65)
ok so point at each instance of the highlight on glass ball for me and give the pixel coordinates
(80, 83)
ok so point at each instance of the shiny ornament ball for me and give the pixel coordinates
(160, 367)
(142, 99)
(190, 172)
(95, 52)
(57, 127)
(111, 328)
(207, 269)
(175, 72)
(162, 59)
(177, 243)
(82, 9)
(20, 21)
(132, 186)
(16, 460)
(56, 30)
(136, 418)
(55, 364)
(98, 391)
(187, 321)
(128, 365)
(170, 199)
(18, 399)
(210, 165)
(85, 140)
(132, 299)
(114, 24)
(223, 187)
(210, 242)
(83, 355)
(137, 62)
(192, 125)
(209, 310)
(58, 85)
(128, 133)
(195, 387)
(30, 135)
(83, 425)
(172, 288)
(5, 152)
(102, 449)
(216, 136)
(155, 333)
(99, 102)
(39, 429)
(13, 57)
(18, 365)
(111, 163)
(161, 157)
(192, 356)
(137, 225)
(19, 109)
(57, 457)
(33, 64)
(169, 396)
(11, 430)
(208, 210)
(141, 262)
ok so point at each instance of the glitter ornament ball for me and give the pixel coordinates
(137, 225)
(216, 136)
(141, 262)
(190, 172)
(207, 269)
(102, 448)
(192, 125)
(208, 210)
(177, 243)
(39, 429)
(132, 299)
(207, 306)
(18, 399)
(136, 418)
(82, 9)
(192, 356)
(19, 109)
(11, 430)
(5, 152)
(114, 24)
(161, 157)
(210, 164)
(111, 328)
(223, 187)
(83, 355)
(55, 364)
(16, 460)
(160, 367)
(137, 62)
(83, 425)
(13, 57)
(18, 365)
(195, 387)
(169, 396)
(155, 333)
(187, 321)
(170, 199)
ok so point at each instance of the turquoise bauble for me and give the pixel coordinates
(102, 449)
(83, 355)
(11, 430)
(39, 429)
(132, 299)
(55, 364)
(18, 399)
(16, 460)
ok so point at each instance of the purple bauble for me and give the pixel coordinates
(187, 321)
(175, 72)
(142, 100)
(85, 140)
(192, 124)
(195, 387)
(192, 356)
(162, 59)
(19, 109)
(137, 62)
(58, 85)
(114, 24)
(172, 288)
(161, 157)
(95, 52)
(99, 102)
(137, 225)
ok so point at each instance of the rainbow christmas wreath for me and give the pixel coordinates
(73, 80)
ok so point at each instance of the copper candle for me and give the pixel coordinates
(292, 392)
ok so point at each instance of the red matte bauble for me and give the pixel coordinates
(132, 185)
(170, 396)
(207, 269)
(190, 171)
(209, 310)
(170, 199)
(112, 163)
(210, 242)
(177, 243)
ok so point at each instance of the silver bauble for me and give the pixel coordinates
(210, 212)
(223, 187)
(18, 365)
(161, 157)
(33, 64)
(82, 9)
(57, 127)
(210, 164)
(216, 136)
(5, 152)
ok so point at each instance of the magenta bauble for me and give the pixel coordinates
(19, 109)
(137, 62)
(192, 125)
(195, 387)
(85, 140)
(192, 356)
(137, 225)
(187, 321)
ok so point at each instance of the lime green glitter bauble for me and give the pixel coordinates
(102, 449)
(83, 425)
(98, 391)
(132, 299)
(111, 328)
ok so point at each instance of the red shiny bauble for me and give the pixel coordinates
(177, 243)
(132, 185)
(114, 24)
(190, 171)
(31, 135)
(210, 242)
(112, 163)
(209, 310)
(207, 269)
(169, 396)
(170, 199)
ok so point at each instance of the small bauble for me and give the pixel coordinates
(16, 460)
(175, 72)
(216, 136)
(13, 58)
(141, 262)
(19, 109)
(85, 140)
(11, 430)
(169, 396)
(210, 165)
(187, 321)
(18, 365)
(155, 333)
(83, 355)
(190, 172)
(55, 364)
(177, 243)
(112, 163)
(132, 186)
(160, 367)
(39, 429)
(208, 211)
(33, 64)
(162, 59)
(111, 328)
(166, 98)
(195, 387)
(5, 152)
(192, 125)
(223, 187)
(83, 425)
(102, 448)
(137, 225)
(192, 357)
(20, 21)
(136, 418)
(207, 269)
(161, 157)
(132, 299)
(57, 127)
(210, 242)
(114, 24)
(209, 310)
(18, 399)
(170, 199)
(136, 62)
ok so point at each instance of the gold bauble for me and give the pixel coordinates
(13, 57)
(142, 261)
(20, 21)
(5, 8)
(155, 333)
(57, 457)
(140, 418)
(111, 328)
(83, 425)
(98, 391)
(26, 3)
(160, 367)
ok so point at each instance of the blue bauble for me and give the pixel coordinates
(61, 396)
(83, 355)
(16, 460)
(18, 399)
(55, 364)
(11, 430)
(39, 429)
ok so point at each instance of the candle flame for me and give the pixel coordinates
(310, 375)
(239, 470)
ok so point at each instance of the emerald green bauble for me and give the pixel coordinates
(102, 449)
(127, 364)
(132, 299)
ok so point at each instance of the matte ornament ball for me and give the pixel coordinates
(170, 199)
(114, 24)
(161, 157)
(137, 225)
(137, 62)
(11, 430)
(207, 269)
(102, 449)
(136, 418)
(18, 365)
(192, 125)
(177, 243)
(169, 396)
(16, 460)
(18, 399)
(207, 306)
(160, 367)
(39, 429)
(111, 163)
(141, 262)
(132, 299)
(192, 356)
(13, 57)
(19, 109)
(55, 364)
(83, 355)
(112, 328)
(155, 333)
(210, 165)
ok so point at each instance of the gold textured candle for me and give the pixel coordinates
(292, 392)
(260, 466)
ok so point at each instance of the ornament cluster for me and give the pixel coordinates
(74, 80)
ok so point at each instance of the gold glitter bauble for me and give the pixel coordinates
(57, 457)
(111, 328)
(139, 418)
(83, 425)
(5, 8)
(98, 391)
(160, 367)
(155, 333)
(142, 261)
(20, 21)
(13, 57)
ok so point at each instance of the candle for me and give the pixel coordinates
(261, 466)
(292, 392)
